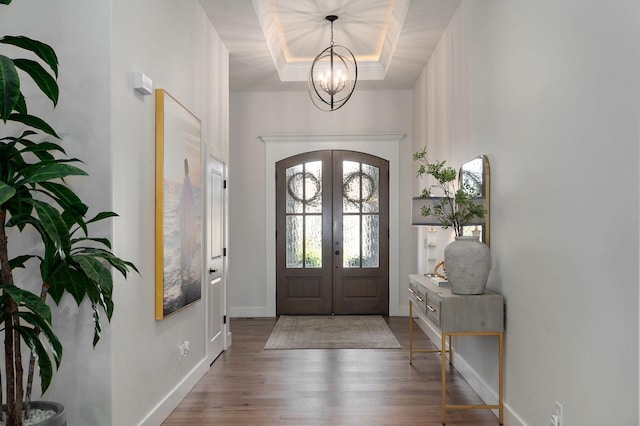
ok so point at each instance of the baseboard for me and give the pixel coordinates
(161, 411)
(511, 418)
(477, 383)
(251, 312)
(228, 340)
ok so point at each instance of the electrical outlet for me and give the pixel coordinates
(556, 417)
(183, 349)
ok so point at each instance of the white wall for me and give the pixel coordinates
(82, 120)
(133, 375)
(261, 114)
(174, 43)
(549, 90)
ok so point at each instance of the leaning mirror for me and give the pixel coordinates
(474, 176)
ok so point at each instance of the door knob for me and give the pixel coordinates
(337, 252)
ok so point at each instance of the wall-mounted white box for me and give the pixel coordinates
(142, 83)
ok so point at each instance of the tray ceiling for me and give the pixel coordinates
(273, 42)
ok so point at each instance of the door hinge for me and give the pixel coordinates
(224, 319)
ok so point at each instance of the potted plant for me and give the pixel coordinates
(467, 260)
(36, 202)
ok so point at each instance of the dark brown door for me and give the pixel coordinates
(332, 234)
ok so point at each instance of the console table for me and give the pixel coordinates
(455, 315)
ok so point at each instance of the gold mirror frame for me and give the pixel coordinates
(477, 173)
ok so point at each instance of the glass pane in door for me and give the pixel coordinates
(350, 187)
(294, 241)
(304, 215)
(360, 215)
(370, 189)
(370, 243)
(351, 241)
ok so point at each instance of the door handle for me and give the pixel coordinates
(337, 252)
(213, 271)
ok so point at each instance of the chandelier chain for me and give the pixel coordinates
(331, 33)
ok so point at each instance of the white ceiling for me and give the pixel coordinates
(273, 42)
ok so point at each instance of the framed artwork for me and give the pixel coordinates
(178, 206)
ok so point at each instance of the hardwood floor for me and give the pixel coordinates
(247, 385)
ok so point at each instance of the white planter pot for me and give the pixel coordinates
(467, 262)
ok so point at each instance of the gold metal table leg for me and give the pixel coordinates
(501, 378)
(444, 377)
(410, 332)
(500, 405)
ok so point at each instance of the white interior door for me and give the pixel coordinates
(215, 293)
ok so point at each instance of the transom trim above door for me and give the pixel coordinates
(368, 138)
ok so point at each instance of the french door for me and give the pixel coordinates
(332, 234)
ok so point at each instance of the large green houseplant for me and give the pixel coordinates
(36, 202)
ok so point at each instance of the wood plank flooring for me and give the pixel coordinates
(247, 385)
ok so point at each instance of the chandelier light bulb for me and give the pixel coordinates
(333, 85)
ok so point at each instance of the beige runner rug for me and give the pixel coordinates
(332, 332)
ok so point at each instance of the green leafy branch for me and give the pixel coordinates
(454, 207)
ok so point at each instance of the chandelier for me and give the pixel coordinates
(333, 75)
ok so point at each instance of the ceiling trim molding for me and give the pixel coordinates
(359, 137)
(268, 25)
(297, 69)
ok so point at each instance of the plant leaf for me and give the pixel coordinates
(101, 216)
(6, 192)
(45, 171)
(40, 146)
(18, 262)
(103, 241)
(21, 105)
(9, 87)
(53, 225)
(67, 199)
(42, 50)
(45, 366)
(35, 122)
(69, 280)
(41, 77)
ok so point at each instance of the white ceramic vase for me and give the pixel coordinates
(467, 262)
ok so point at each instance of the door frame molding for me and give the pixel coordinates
(279, 147)
(226, 332)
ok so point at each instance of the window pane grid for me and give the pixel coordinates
(304, 215)
(361, 207)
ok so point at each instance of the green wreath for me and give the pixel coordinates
(349, 180)
(303, 176)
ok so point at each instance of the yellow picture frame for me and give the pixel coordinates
(178, 214)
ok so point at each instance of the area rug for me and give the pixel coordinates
(332, 332)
